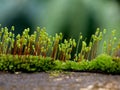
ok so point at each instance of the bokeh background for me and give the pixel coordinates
(67, 16)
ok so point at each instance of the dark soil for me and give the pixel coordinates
(64, 81)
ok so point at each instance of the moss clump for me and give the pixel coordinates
(42, 52)
(102, 64)
(28, 64)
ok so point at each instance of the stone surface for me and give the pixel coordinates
(69, 81)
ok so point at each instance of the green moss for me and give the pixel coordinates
(41, 52)
(29, 64)
(102, 64)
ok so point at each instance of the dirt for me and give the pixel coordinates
(63, 81)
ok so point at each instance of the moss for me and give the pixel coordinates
(102, 64)
(41, 52)
(30, 64)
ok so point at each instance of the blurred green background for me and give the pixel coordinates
(67, 16)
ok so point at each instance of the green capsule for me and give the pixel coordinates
(12, 28)
(104, 31)
(113, 32)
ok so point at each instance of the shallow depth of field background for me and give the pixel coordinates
(67, 16)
